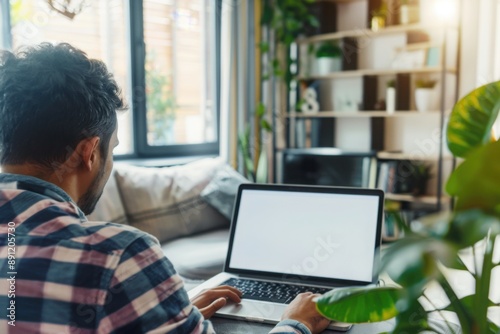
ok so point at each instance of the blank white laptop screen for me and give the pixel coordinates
(308, 234)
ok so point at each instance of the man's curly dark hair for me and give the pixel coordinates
(52, 97)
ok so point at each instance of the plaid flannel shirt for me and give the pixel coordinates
(60, 273)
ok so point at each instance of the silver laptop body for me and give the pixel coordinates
(319, 237)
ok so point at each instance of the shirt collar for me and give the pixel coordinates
(39, 186)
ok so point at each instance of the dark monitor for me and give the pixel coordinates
(329, 167)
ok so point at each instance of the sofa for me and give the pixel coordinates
(187, 208)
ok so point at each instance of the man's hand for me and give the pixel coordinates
(209, 301)
(303, 309)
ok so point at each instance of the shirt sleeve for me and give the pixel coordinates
(146, 295)
(290, 327)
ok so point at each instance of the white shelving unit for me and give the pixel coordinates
(446, 72)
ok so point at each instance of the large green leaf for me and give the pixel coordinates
(412, 320)
(359, 305)
(494, 328)
(469, 227)
(476, 182)
(462, 311)
(472, 119)
(412, 261)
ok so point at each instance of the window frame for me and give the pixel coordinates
(138, 103)
(141, 149)
(5, 35)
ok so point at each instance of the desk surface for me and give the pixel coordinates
(230, 326)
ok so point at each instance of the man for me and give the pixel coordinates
(59, 272)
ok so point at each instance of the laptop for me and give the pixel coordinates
(287, 239)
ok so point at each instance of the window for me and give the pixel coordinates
(176, 40)
(162, 54)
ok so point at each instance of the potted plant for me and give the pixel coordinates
(390, 97)
(460, 243)
(328, 58)
(420, 174)
(425, 95)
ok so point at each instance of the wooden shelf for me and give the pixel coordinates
(367, 72)
(339, 1)
(360, 114)
(359, 33)
(407, 156)
(432, 200)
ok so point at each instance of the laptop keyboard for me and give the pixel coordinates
(269, 291)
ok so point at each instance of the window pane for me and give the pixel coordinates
(99, 28)
(178, 72)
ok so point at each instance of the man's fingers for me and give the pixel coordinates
(228, 287)
(212, 308)
(226, 293)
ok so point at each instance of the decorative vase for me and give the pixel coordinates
(390, 100)
(425, 99)
(326, 65)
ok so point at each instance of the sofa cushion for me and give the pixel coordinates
(199, 256)
(109, 208)
(166, 202)
(221, 191)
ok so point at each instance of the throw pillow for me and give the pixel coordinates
(221, 191)
(166, 202)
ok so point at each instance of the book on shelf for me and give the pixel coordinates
(395, 177)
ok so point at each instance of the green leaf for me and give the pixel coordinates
(434, 225)
(412, 261)
(289, 39)
(243, 141)
(267, 14)
(261, 174)
(260, 110)
(458, 264)
(483, 283)
(469, 227)
(463, 313)
(472, 119)
(310, 49)
(313, 21)
(359, 305)
(494, 329)
(475, 182)
(264, 47)
(265, 125)
(400, 222)
(278, 73)
(467, 302)
(292, 24)
(412, 320)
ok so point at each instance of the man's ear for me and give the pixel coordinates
(89, 152)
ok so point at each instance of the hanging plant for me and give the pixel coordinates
(68, 8)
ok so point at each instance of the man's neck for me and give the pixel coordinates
(67, 183)
(27, 169)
